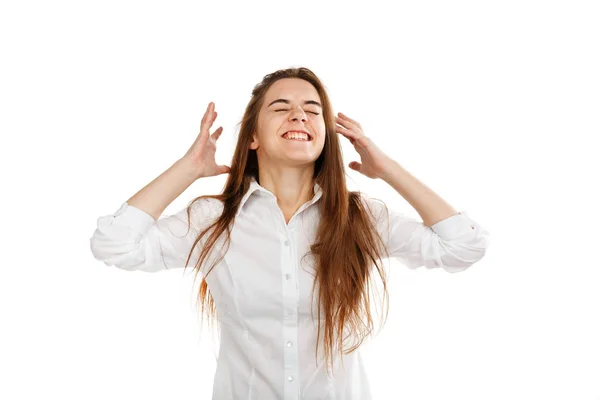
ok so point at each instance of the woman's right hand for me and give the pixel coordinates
(201, 155)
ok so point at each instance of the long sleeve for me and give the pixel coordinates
(453, 244)
(132, 239)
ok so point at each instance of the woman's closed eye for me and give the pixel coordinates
(312, 112)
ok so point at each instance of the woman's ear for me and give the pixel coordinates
(254, 144)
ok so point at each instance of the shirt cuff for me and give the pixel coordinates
(133, 218)
(454, 227)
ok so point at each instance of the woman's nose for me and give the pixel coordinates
(298, 114)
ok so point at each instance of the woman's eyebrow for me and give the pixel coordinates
(316, 103)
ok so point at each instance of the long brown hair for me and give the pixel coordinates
(347, 243)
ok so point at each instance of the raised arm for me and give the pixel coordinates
(135, 237)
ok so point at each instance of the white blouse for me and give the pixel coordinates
(262, 287)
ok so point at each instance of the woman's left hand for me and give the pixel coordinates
(374, 162)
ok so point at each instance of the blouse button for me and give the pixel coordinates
(290, 378)
(287, 242)
(288, 276)
(289, 344)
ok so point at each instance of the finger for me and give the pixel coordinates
(355, 165)
(350, 138)
(224, 169)
(344, 116)
(216, 134)
(208, 112)
(342, 121)
(208, 116)
(353, 137)
(346, 123)
(346, 132)
(207, 123)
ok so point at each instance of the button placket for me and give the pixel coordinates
(290, 318)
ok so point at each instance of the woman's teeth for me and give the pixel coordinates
(295, 136)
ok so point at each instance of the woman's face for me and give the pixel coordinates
(290, 104)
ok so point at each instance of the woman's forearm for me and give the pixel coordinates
(158, 194)
(430, 206)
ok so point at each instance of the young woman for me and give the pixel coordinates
(287, 254)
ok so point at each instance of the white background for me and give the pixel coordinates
(494, 105)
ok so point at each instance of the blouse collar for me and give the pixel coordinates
(254, 186)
